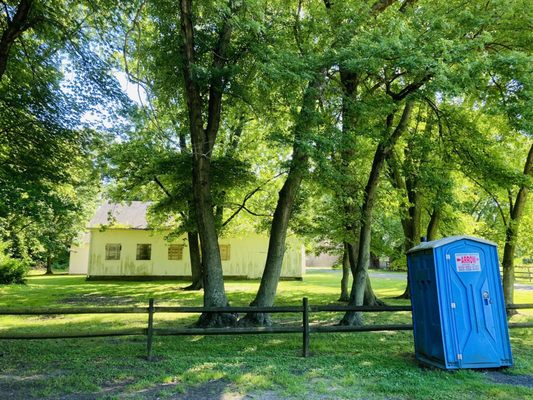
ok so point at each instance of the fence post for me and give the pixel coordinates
(305, 327)
(150, 331)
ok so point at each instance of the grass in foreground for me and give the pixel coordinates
(356, 365)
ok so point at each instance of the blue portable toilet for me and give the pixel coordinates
(459, 318)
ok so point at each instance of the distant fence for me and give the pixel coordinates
(524, 272)
(521, 273)
(305, 328)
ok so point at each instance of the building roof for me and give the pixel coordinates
(441, 242)
(130, 215)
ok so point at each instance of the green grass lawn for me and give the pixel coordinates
(377, 365)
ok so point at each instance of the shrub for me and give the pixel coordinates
(398, 264)
(12, 270)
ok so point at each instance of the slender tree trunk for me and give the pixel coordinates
(287, 196)
(49, 266)
(196, 262)
(433, 226)
(511, 234)
(203, 141)
(350, 83)
(370, 298)
(412, 223)
(383, 151)
(345, 294)
(412, 199)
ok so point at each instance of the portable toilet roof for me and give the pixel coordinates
(450, 239)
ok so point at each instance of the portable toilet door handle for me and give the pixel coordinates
(486, 298)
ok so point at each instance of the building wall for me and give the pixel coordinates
(247, 255)
(322, 260)
(79, 256)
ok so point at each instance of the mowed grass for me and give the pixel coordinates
(377, 365)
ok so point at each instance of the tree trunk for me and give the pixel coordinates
(49, 266)
(345, 295)
(196, 262)
(412, 237)
(14, 28)
(433, 226)
(412, 202)
(203, 141)
(370, 298)
(383, 151)
(287, 196)
(511, 234)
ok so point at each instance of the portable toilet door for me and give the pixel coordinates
(477, 307)
(471, 303)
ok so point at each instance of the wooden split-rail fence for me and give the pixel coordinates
(150, 331)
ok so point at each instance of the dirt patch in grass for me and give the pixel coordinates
(15, 387)
(219, 389)
(507, 379)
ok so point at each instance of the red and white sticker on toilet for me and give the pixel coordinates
(467, 262)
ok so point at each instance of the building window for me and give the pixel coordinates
(144, 252)
(225, 252)
(112, 251)
(175, 252)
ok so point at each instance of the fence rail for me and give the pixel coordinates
(522, 272)
(305, 328)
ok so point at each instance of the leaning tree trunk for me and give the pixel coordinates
(287, 196)
(370, 298)
(196, 262)
(350, 83)
(383, 151)
(511, 234)
(203, 141)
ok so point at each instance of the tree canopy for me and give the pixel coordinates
(360, 126)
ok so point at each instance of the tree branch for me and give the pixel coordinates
(15, 27)
(163, 188)
(410, 88)
(248, 196)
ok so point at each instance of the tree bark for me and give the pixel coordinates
(14, 28)
(433, 226)
(345, 294)
(511, 234)
(287, 196)
(196, 262)
(412, 225)
(382, 153)
(49, 270)
(203, 141)
(370, 298)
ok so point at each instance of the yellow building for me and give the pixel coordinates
(120, 244)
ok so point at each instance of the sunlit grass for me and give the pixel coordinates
(371, 365)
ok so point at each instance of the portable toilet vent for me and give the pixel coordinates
(459, 318)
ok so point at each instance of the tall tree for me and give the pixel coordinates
(304, 123)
